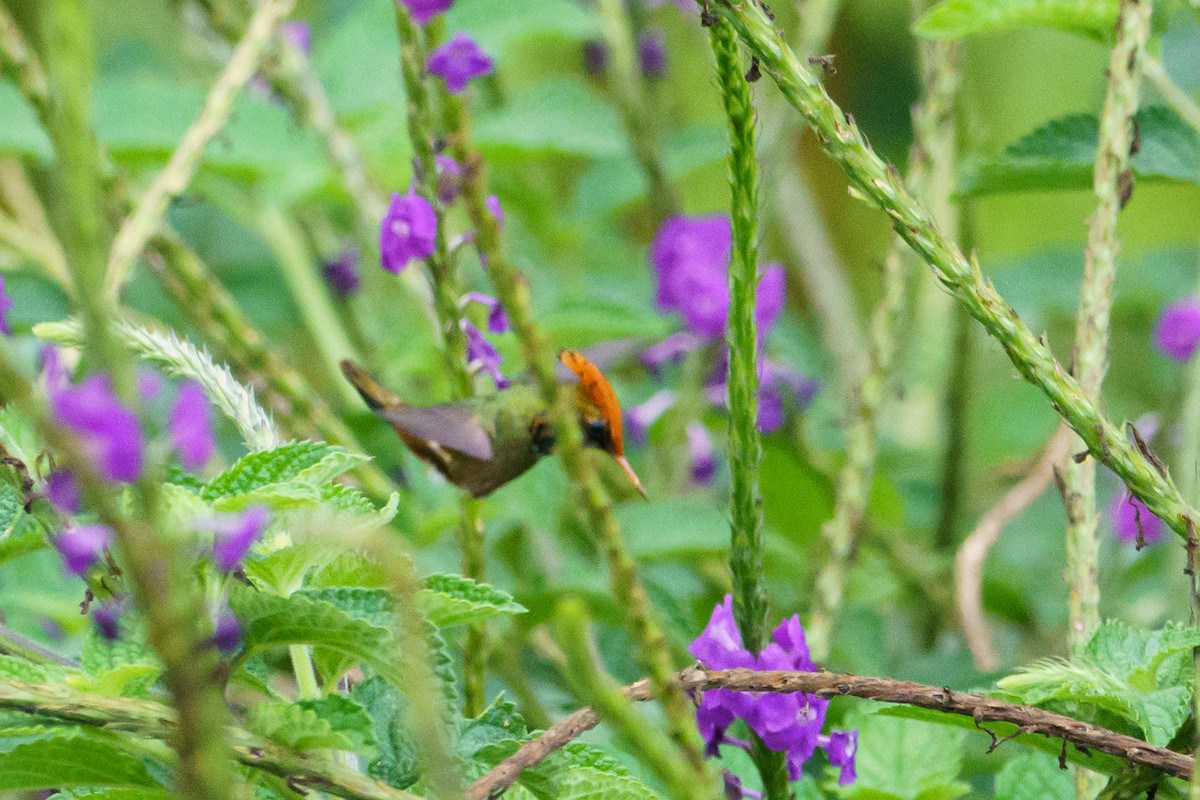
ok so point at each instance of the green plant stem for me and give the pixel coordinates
(745, 448)
(446, 293)
(587, 493)
(1095, 308)
(873, 180)
(596, 687)
(175, 614)
(1179, 100)
(854, 479)
(14, 644)
(151, 720)
(181, 167)
(629, 92)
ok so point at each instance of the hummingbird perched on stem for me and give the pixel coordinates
(481, 443)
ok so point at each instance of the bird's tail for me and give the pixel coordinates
(375, 394)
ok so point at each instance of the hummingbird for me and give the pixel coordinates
(481, 443)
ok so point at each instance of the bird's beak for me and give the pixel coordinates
(633, 478)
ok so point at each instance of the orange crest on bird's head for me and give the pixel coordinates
(599, 405)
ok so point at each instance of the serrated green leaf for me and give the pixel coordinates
(113, 794)
(349, 506)
(1059, 155)
(128, 680)
(66, 761)
(397, 760)
(100, 654)
(283, 571)
(905, 758)
(1118, 649)
(311, 463)
(454, 600)
(273, 621)
(329, 723)
(349, 569)
(25, 536)
(18, 669)
(498, 723)
(952, 19)
(560, 116)
(1034, 776)
(372, 605)
(1160, 714)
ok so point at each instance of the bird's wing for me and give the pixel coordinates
(454, 427)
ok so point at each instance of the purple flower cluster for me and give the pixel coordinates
(1177, 332)
(191, 425)
(790, 722)
(408, 231)
(458, 61)
(109, 431)
(82, 546)
(690, 257)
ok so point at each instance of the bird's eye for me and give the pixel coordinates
(597, 434)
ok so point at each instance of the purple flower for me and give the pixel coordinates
(234, 534)
(652, 53)
(497, 319)
(640, 417)
(690, 256)
(1178, 329)
(297, 33)
(493, 205)
(107, 618)
(408, 231)
(190, 423)
(669, 350)
(108, 430)
(424, 10)
(595, 57)
(63, 492)
(734, 790)
(227, 633)
(55, 373)
(459, 60)
(841, 747)
(704, 464)
(481, 355)
(1126, 511)
(786, 722)
(342, 272)
(82, 546)
(449, 179)
(6, 304)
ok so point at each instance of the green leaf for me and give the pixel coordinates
(497, 26)
(25, 535)
(554, 117)
(372, 605)
(308, 463)
(283, 570)
(350, 506)
(1059, 155)
(397, 760)
(270, 621)
(952, 19)
(454, 600)
(100, 654)
(114, 794)
(906, 759)
(331, 723)
(19, 669)
(349, 569)
(1160, 714)
(1034, 776)
(65, 761)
